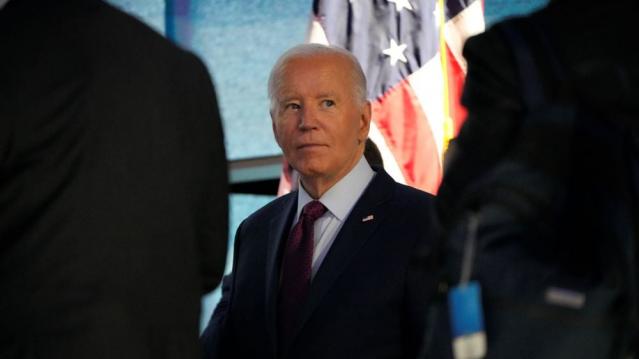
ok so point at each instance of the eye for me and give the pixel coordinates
(328, 103)
(292, 106)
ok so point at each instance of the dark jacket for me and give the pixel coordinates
(577, 224)
(113, 199)
(597, 48)
(369, 298)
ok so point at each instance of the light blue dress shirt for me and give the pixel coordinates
(339, 200)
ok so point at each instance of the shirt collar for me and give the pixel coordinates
(341, 198)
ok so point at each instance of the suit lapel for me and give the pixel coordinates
(278, 231)
(353, 235)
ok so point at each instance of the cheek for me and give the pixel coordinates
(349, 134)
(282, 134)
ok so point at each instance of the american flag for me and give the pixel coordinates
(411, 53)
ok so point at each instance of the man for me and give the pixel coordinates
(340, 268)
(113, 198)
(601, 74)
(572, 231)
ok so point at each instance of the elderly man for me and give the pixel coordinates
(339, 268)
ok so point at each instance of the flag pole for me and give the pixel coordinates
(443, 55)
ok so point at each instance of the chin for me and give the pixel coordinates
(310, 171)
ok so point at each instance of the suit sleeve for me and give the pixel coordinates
(217, 339)
(212, 339)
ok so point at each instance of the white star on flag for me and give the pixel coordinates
(395, 52)
(401, 4)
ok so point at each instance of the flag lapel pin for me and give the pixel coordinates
(368, 218)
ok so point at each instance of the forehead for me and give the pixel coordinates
(318, 72)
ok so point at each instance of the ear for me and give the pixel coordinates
(364, 122)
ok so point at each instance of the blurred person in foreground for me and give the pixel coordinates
(113, 189)
(557, 269)
(339, 268)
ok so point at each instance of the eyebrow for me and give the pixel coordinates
(327, 94)
(320, 96)
(287, 99)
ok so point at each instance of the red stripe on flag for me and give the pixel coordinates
(403, 124)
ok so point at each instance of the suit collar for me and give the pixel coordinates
(341, 197)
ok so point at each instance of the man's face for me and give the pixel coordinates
(317, 120)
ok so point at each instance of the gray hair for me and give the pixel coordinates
(303, 50)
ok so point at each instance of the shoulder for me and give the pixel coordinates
(416, 205)
(408, 203)
(126, 27)
(407, 196)
(275, 209)
(411, 219)
(491, 74)
(492, 44)
(383, 188)
(121, 33)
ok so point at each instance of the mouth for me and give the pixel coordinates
(308, 146)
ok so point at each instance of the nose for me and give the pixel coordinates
(308, 118)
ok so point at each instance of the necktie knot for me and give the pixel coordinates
(313, 210)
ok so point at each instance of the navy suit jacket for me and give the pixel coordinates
(369, 298)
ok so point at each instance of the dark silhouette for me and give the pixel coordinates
(113, 186)
(547, 167)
